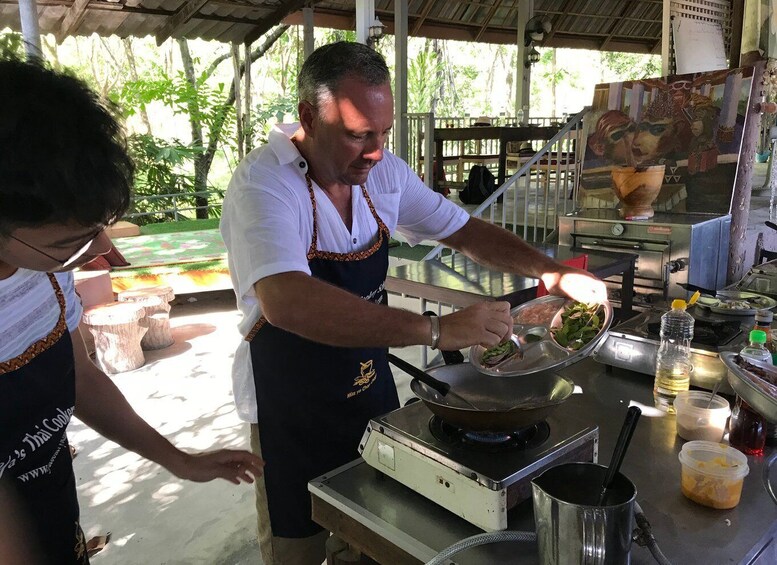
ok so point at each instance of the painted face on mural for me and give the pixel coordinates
(655, 139)
(613, 137)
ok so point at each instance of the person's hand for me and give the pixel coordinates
(485, 323)
(233, 466)
(576, 284)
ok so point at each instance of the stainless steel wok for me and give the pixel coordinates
(496, 404)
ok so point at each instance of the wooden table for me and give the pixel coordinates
(459, 281)
(503, 134)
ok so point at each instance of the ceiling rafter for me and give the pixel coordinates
(274, 18)
(616, 22)
(555, 22)
(187, 11)
(73, 18)
(427, 7)
(488, 19)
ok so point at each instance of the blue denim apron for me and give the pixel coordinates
(314, 400)
(37, 399)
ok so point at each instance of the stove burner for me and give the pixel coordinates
(526, 438)
(705, 332)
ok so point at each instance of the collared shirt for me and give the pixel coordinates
(267, 226)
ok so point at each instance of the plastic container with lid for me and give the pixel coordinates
(673, 361)
(697, 422)
(713, 473)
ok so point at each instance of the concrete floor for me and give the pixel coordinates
(184, 391)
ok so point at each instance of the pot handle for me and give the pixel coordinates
(765, 476)
(416, 373)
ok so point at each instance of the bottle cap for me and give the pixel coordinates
(758, 336)
(678, 304)
(765, 316)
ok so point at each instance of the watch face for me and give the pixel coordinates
(617, 229)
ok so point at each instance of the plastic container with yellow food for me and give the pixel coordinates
(713, 473)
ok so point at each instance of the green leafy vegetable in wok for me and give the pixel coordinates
(499, 353)
(579, 324)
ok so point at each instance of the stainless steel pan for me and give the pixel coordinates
(502, 404)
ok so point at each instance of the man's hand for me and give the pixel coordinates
(485, 323)
(576, 284)
(233, 466)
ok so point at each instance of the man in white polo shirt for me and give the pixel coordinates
(307, 220)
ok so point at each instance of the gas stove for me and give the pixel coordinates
(634, 344)
(479, 477)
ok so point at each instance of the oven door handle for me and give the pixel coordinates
(636, 246)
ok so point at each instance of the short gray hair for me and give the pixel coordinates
(323, 70)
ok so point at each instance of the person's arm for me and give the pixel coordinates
(326, 314)
(497, 248)
(101, 406)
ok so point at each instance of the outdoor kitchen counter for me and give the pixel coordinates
(395, 525)
(460, 281)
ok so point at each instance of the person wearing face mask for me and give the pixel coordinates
(307, 220)
(64, 176)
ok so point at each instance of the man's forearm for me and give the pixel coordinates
(326, 314)
(496, 248)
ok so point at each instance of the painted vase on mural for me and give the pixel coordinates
(637, 188)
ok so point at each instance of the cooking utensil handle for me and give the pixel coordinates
(416, 373)
(694, 288)
(770, 224)
(629, 425)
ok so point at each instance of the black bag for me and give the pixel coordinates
(481, 184)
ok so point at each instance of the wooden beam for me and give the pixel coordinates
(498, 36)
(72, 19)
(616, 22)
(558, 19)
(427, 7)
(488, 19)
(275, 18)
(737, 21)
(181, 17)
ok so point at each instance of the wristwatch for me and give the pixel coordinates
(435, 326)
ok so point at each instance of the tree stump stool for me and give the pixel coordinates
(156, 301)
(117, 331)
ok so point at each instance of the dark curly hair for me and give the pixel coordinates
(63, 155)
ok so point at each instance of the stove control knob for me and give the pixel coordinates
(617, 229)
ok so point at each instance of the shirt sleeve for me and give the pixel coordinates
(423, 213)
(73, 306)
(261, 227)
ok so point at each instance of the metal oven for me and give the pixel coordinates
(671, 248)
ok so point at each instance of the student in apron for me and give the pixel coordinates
(306, 220)
(64, 175)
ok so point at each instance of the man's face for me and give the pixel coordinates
(617, 144)
(47, 248)
(349, 131)
(697, 127)
(654, 139)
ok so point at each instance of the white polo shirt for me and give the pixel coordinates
(267, 226)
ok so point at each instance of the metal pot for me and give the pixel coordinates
(502, 404)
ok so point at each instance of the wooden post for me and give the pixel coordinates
(740, 202)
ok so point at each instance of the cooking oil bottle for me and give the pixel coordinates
(673, 362)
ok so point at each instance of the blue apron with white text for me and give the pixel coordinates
(314, 400)
(37, 399)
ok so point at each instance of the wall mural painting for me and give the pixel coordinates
(692, 124)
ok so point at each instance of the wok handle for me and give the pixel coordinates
(694, 288)
(416, 373)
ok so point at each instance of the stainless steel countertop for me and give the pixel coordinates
(460, 281)
(687, 532)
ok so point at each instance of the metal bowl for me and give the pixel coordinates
(541, 352)
(744, 384)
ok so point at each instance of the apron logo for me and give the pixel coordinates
(364, 380)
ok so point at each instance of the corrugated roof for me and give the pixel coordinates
(617, 25)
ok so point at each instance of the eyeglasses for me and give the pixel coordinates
(70, 260)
